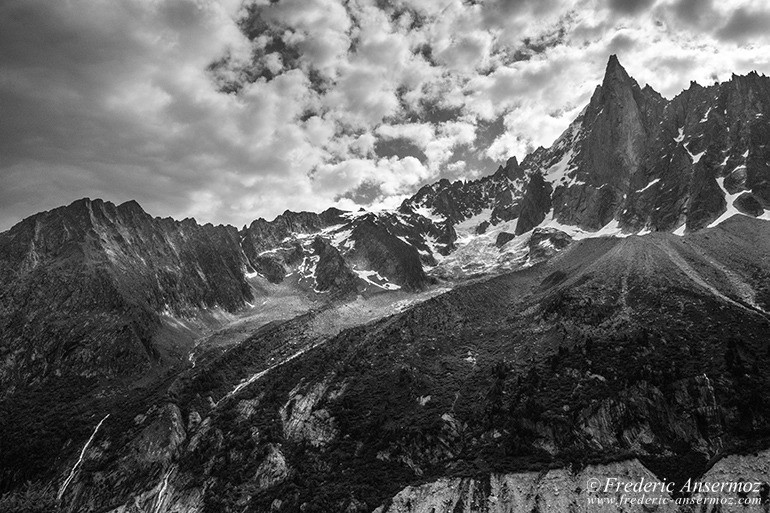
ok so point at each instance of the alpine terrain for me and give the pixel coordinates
(599, 309)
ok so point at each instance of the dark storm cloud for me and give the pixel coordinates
(533, 46)
(497, 11)
(696, 13)
(630, 6)
(399, 147)
(364, 194)
(746, 25)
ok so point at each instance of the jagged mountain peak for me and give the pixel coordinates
(78, 218)
(631, 162)
(615, 71)
(618, 86)
(512, 170)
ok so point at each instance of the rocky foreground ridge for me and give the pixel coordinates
(501, 395)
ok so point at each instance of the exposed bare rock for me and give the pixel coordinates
(535, 204)
(748, 204)
(273, 470)
(160, 439)
(332, 272)
(503, 238)
(302, 420)
(749, 471)
(377, 249)
(85, 287)
(545, 242)
(459, 200)
(165, 497)
(526, 492)
(262, 235)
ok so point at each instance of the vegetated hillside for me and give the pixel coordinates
(653, 347)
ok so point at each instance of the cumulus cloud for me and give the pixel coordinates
(228, 111)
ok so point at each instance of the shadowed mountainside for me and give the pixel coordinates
(601, 354)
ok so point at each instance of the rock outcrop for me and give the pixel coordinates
(332, 272)
(527, 492)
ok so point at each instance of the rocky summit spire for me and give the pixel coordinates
(615, 75)
(614, 64)
(608, 150)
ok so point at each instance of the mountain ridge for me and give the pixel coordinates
(631, 162)
(239, 367)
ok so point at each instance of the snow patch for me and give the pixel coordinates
(696, 158)
(731, 210)
(559, 172)
(429, 214)
(649, 185)
(466, 230)
(611, 229)
(370, 277)
(308, 267)
(478, 254)
(341, 239)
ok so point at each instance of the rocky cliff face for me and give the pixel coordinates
(153, 283)
(457, 201)
(84, 288)
(524, 492)
(99, 300)
(567, 490)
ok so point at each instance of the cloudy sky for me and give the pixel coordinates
(228, 111)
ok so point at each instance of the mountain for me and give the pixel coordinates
(597, 362)
(85, 288)
(632, 161)
(608, 312)
(110, 290)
